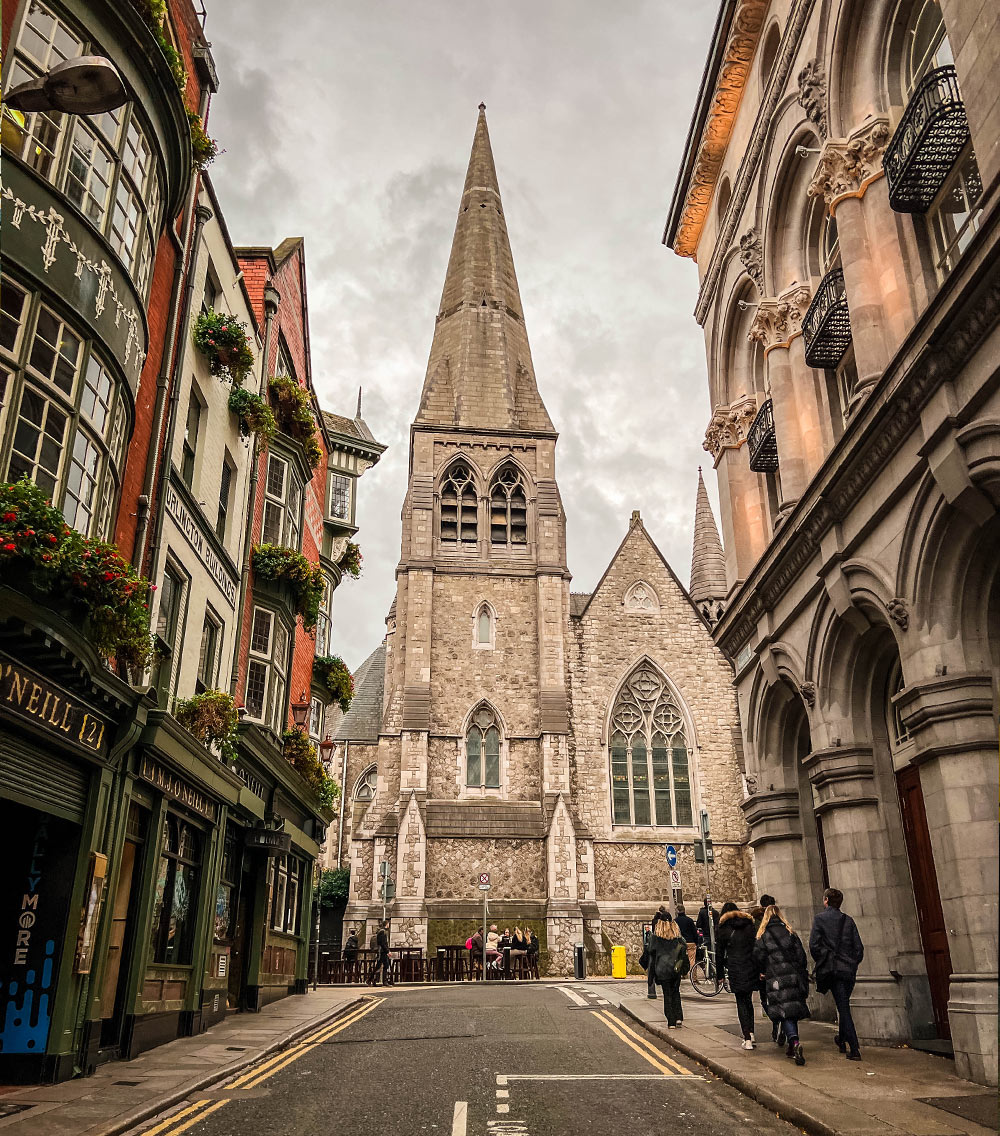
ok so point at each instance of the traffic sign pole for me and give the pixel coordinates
(484, 887)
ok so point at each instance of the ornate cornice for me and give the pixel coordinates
(729, 426)
(744, 33)
(779, 320)
(746, 177)
(812, 95)
(848, 165)
(752, 258)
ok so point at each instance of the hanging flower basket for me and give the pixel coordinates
(254, 414)
(276, 564)
(351, 561)
(301, 755)
(210, 717)
(204, 149)
(332, 673)
(293, 411)
(223, 341)
(41, 555)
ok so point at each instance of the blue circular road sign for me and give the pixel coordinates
(671, 856)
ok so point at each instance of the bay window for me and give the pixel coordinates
(282, 504)
(267, 669)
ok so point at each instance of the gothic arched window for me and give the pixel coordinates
(482, 751)
(364, 790)
(483, 627)
(459, 506)
(650, 778)
(508, 508)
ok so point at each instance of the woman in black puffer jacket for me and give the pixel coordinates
(737, 935)
(779, 955)
(669, 963)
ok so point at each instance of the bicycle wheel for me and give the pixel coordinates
(703, 981)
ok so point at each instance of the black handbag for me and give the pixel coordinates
(825, 971)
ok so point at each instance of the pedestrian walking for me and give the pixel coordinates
(779, 955)
(757, 912)
(669, 963)
(533, 948)
(837, 950)
(689, 932)
(382, 958)
(737, 936)
(704, 933)
(645, 959)
(350, 954)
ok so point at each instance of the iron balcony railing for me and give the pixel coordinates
(930, 136)
(826, 328)
(761, 441)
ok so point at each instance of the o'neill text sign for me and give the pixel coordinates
(170, 785)
(29, 696)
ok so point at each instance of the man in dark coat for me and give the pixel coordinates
(685, 924)
(836, 947)
(779, 955)
(703, 928)
(735, 953)
(382, 959)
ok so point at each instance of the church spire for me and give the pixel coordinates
(708, 563)
(480, 373)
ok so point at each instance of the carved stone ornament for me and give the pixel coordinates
(812, 95)
(808, 692)
(845, 164)
(732, 77)
(752, 256)
(899, 612)
(729, 426)
(778, 321)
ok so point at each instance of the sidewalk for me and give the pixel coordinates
(122, 1094)
(886, 1093)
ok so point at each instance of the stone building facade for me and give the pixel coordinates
(839, 194)
(557, 741)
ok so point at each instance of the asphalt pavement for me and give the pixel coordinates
(467, 1060)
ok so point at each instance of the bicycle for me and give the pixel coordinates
(705, 977)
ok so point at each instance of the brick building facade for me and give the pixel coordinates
(557, 741)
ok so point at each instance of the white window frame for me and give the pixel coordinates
(284, 504)
(270, 657)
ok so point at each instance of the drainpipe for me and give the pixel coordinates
(202, 214)
(343, 797)
(272, 297)
(166, 365)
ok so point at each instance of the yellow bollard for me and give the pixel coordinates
(617, 962)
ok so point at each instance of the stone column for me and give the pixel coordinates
(563, 915)
(872, 874)
(950, 719)
(745, 526)
(846, 168)
(779, 855)
(798, 412)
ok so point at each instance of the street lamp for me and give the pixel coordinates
(326, 750)
(300, 711)
(89, 84)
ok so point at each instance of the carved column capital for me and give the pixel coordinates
(729, 426)
(779, 320)
(847, 165)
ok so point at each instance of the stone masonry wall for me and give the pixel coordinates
(516, 867)
(627, 873)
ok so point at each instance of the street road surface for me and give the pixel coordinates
(512, 1059)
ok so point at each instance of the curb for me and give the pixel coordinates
(770, 1100)
(176, 1096)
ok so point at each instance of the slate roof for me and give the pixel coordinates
(363, 722)
(484, 818)
(350, 427)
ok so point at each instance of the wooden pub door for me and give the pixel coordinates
(930, 917)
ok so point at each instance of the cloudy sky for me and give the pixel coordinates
(350, 124)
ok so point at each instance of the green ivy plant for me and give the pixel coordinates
(224, 342)
(351, 561)
(254, 414)
(284, 565)
(334, 886)
(42, 556)
(204, 149)
(154, 12)
(332, 673)
(301, 754)
(212, 718)
(293, 411)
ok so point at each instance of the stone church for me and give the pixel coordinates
(506, 724)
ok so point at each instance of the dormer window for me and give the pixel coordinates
(459, 507)
(508, 508)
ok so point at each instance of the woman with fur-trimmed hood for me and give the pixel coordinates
(737, 935)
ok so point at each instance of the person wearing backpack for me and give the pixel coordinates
(645, 959)
(668, 962)
(779, 955)
(837, 950)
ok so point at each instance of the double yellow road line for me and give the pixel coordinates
(199, 1109)
(666, 1065)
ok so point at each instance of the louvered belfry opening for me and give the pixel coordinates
(508, 508)
(459, 507)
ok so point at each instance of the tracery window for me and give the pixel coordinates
(508, 508)
(367, 783)
(482, 751)
(650, 776)
(459, 506)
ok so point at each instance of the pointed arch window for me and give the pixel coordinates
(650, 773)
(482, 751)
(483, 628)
(459, 507)
(508, 508)
(364, 790)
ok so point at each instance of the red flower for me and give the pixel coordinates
(109, 575)
(10, 517)
(53, 539)
(10, 548)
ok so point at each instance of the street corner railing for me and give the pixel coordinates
(761, 442)
(826, 328)
(929, 138)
